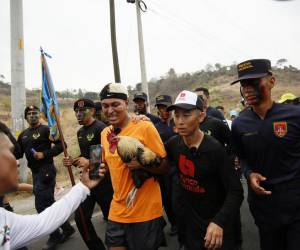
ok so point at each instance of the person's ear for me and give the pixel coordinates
(201, 116)
(272, 82)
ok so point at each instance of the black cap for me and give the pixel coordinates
(141, 96)
(83, 103)
(30, 108)
(98, 106)
(187, 100)
(252, 69)
(165, 100)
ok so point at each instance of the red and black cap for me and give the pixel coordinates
(83, 103)
(30, 108)
(140, 96)
(253, 69)
(165, 100)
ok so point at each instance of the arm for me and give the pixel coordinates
(163, 168)
(234, 190)
(25, 229)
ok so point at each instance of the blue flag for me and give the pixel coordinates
(48, 100)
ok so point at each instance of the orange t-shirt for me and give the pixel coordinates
(147, 204)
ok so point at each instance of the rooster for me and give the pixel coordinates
(128, 149)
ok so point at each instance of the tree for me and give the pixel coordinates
(281, 62)
(80, 93)
(91, 95)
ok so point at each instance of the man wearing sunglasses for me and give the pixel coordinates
(40, 150)
(266, 137)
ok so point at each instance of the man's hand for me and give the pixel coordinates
(38, 155)
(134, 164)
(67, 161)
(214, 236)
(254, 180)
(136, 118)
(85, 179)
(81, 162)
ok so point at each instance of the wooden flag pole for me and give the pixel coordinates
(82, 218)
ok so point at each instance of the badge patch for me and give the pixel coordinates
(90, 137)
(280, 129)
(36, 135)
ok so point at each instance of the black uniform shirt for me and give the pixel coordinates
(153, 118)
(165, 130)
(215, 113)
(210, 185)
(88, 136)
(270, 146)
(38, 139)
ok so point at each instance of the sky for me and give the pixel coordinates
(184, 35)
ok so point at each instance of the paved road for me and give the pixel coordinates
(250, 234)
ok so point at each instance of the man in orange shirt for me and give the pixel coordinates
(140, 226)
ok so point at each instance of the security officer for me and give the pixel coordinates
(35, 143)
(88, 135)
(266, 137)
(165, 128)
(140, 106)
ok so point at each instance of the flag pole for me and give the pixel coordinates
(82, 218)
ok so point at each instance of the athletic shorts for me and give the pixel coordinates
(148, 235)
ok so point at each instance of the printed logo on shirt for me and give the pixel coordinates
(208, 132)
(187, 181)
(280, 129)
(186, 166)
(36, 135)
(90, 137)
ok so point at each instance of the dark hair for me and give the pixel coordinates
(4, 129)
(204, 90)
(220, 107)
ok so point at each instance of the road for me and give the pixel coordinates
(250, 234)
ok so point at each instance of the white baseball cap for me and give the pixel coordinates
(187, 100)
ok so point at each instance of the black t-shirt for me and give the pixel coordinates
(38, 139)
(210, 185)
(88, 136)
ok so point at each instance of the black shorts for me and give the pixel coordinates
(148, 235)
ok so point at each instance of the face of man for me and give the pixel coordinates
(8, 166)
(33, 117)
(204, 97)
(140, 106)
(163, 113)
(84, 115)
(257, 91)
(187, 121)
(115, 110)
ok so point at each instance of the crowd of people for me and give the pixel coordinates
(186, 161)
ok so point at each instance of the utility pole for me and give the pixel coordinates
(18, 95)
(114, 41)
(139, 4)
